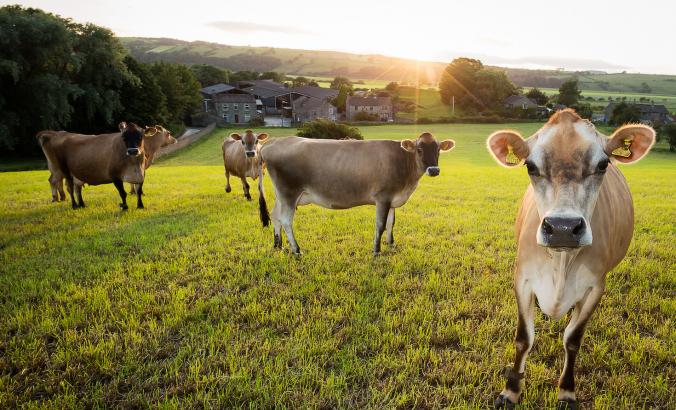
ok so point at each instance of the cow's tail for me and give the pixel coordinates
(262, 204)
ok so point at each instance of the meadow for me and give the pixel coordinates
(186, 304)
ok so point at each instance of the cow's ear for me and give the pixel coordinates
(408, 145)
(262, 137)
(446, 145)
(235, 136)
(630, 143)
(150, 131)
(507, 147)
(122, 126)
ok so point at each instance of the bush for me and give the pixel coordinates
(669, 132)
(257, 122)
(325, 129)
(365, 116)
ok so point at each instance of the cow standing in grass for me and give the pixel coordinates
(345, 174)
(241, 157)
(154, 138)
(96, 159)
(575, 224)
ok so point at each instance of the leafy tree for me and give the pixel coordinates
(584, 110)
(340, 100)
(243, 76)
(624, 113)
(538, 96)
(669, 131)
(181, 89)
(101, 75)
(313, 83)
(569, 94)
(645, 88)
(300, 81)
(144, 102)
(36, 61)
(339, 82)
(325, 129)
(491, 88)
(209, 75)
(393, 86)
(458, 80)
(273, 75)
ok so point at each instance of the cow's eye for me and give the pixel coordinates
(602, 166)
(532, 169)
(242, 142)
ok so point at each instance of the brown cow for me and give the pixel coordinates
(96, 159)
(345, 174)
(154, 138)
(575, 224)
(240, 158)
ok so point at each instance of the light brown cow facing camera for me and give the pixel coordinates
(241, 158)
(342, 174)
(574, 225)
(154, 138)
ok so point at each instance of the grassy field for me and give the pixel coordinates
(186, 304)
(667, 100)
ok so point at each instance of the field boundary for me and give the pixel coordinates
(185, 141)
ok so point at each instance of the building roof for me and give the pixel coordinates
(645, 108)
(216, 88)
(235, 98)
(262, 92)
(519, 100)
(316, 92)
(305, 103)
(368, 101)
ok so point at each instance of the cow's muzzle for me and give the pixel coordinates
(563, 232)
(133, 152)
(250, 154)
(433, 171)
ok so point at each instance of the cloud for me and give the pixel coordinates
(247, 27)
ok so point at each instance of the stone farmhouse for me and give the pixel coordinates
(379, 108)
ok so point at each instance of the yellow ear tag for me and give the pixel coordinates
(511, 157)
(623, 151)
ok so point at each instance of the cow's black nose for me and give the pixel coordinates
(250, 154)
(560, 232)
(133, 151)
(433, 171)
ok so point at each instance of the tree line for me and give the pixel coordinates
(59, 74)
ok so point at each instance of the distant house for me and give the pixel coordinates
(269, 92)
(380, 107)
(212, 94)
(651, 114)
(236, 108)
(306, 108)
(519, 101)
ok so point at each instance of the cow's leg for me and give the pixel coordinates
(523, 341)
(382, 210)
(227, 181)
(132, 190)
(287, 209)
(245, 186)
(139, 193)
(123, 195)
(78, 193)
(572, 339)
(69, 186)
(276, 223)
(390, 227)
(59, 187)
(53, 184)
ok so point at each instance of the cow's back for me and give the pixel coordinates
(340, 174)
(235, 160)
(100, 159)
(612, 225)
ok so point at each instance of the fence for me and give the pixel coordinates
(185, 141)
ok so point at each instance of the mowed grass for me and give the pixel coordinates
(186, 304)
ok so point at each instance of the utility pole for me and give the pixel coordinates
(453, 109)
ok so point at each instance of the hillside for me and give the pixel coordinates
(372, 67)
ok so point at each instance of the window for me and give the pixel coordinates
(246, 106)
(224, 107)
(247, 117)
(225, 117)
(235, 106)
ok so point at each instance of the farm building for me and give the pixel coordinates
(651, 114)
(268, 92)
(236, 108)
(380, 107)
(519, 101)
(306, 108)
(213, 95)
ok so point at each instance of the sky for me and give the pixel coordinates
(591, 35)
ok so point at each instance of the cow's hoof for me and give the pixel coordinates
(503, 402)
(124, 207)
(82, 205)
(54, 200)
(248, 197)
(567, 404)
(140, 206)
(228, 189)
(75, 206)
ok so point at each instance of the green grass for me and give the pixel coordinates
(186, 304)
(667, 100)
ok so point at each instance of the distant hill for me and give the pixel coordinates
(371, 66)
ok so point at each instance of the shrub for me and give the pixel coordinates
(325, 129)
(669, 132)
(365, 116)
(257, 122)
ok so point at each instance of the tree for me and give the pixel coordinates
(300, 81)
(144, 102)
(339, 82)
(393, 86)
(181, 88)
(209, 75)
(243, 76)
(538, 96)
(584, 110)
(624, 113)
(458, 79)
(569, 94)
(491, 88)
(669, 131)
(340, 100)
(313, 83)
(101, 74)
(36, 62)
(273, 75)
